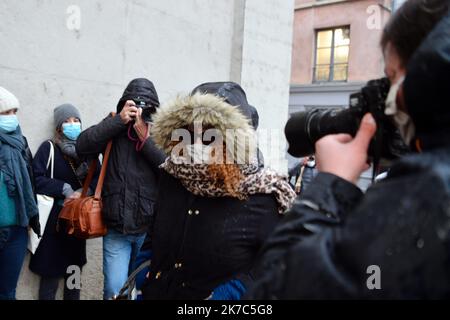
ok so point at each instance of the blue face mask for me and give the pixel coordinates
(71, 130)
(9, 123)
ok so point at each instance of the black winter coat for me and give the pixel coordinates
(326, 244)
(200, 243)
(130, 186)
(57, 250)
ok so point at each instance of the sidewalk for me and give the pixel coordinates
(92, 276)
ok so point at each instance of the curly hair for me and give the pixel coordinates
(227, 176)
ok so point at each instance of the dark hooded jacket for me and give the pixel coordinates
(202, 242)
(142, 88)
(129, 190)
(391, 243)
(234, 95)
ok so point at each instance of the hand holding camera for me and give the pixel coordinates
(304, 129)
(335, 149)
(141, 127)
(128, 112)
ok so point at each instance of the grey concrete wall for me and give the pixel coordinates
(266, 68)
(176, 44)
(46, 60)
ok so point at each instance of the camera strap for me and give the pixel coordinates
(139, 143)
(377, 145)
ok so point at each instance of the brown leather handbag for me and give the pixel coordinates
(82, 217)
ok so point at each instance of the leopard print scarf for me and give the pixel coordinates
(195, 178)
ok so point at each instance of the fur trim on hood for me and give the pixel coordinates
(207, 110)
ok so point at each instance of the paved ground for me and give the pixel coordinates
(92, 276)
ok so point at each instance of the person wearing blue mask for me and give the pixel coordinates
(18, 208)
(57, 250)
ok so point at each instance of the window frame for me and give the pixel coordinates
(331, 64)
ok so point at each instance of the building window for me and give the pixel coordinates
(332, 48)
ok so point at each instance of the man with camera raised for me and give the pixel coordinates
(129, 190)
(392, 242)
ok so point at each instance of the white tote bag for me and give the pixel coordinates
(45, 205)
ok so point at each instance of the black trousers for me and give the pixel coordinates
(49, 286)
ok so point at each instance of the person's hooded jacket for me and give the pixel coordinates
(129, 190)
(391, 243)
(202, 242)
(234, 95)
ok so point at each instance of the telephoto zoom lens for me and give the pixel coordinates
(304, 128)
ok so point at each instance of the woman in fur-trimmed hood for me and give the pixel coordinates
(215, 206)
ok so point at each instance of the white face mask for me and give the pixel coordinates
(199, 153)
(401, 119)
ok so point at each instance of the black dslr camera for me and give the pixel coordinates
(304, 128)
(147, 109)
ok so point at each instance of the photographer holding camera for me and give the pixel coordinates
(130, 185)
(392, 242)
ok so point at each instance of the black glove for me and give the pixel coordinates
(35, 225)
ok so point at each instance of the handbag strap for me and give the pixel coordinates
(93, 167)
(89, 178)
(101, 179)
(51, 159)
